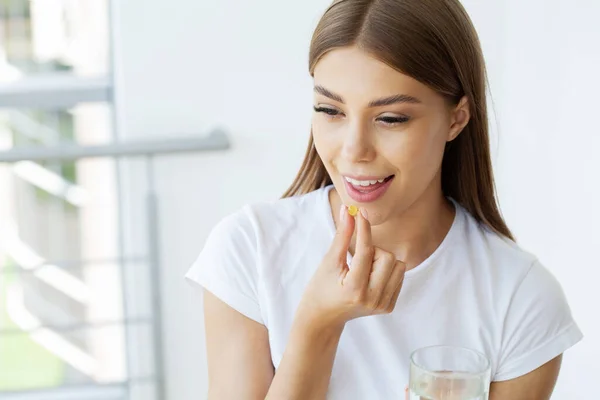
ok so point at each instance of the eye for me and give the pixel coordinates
(392, 121)
(332, 112)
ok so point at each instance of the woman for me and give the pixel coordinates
(400, 131)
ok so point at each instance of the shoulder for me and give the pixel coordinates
(501, 256)
(230, 262)
(504, 266)
(532, 316)
(526, 284)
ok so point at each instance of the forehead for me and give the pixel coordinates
(357, 76)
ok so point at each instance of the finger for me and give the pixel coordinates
(362, 263)
(343, 235)
(406, 393)
(363, 231)
(379, 281)
(395, 285)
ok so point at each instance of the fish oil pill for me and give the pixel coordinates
(353, 210)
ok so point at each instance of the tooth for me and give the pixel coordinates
(356, 182)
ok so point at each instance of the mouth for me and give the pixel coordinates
(367, 189)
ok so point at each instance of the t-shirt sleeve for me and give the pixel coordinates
(227, 265)
(538, 327)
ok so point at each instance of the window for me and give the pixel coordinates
(76, 318)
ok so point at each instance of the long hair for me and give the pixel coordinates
(434, 42)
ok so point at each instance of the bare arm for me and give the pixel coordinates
(536, 385)
(239, 358)
(307, 363)
(238, 353)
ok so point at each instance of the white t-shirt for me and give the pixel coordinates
(477, 290)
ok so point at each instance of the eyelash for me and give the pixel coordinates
(329, 111)
(390, 121)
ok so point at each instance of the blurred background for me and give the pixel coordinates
(151, 120)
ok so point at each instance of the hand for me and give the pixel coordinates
(371, 285)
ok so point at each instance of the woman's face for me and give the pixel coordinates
(381, 134)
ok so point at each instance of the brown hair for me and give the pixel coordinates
(434, 42)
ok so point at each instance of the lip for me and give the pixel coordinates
(370, 196)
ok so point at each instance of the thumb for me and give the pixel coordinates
(343, 235)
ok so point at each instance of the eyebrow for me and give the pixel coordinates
(386, 101)
(321, 90)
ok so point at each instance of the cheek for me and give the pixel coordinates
(326, 142)
(420, 148)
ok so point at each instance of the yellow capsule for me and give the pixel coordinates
(353, 210)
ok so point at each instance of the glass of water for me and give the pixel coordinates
(449, 373)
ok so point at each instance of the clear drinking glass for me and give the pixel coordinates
(449, 373)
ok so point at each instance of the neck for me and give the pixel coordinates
(415, 233)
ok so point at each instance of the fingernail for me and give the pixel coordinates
(364, 213)
(343, 212)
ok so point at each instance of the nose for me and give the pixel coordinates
(358, 144)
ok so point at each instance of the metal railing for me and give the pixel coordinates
(148, 150)
(216, 140)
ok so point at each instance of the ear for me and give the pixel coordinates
(461, 115)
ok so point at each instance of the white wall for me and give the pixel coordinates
(548, 164)
(184, 68)
(188, 66)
